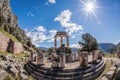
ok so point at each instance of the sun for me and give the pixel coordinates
(89, 7)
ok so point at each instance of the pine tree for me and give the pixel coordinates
(89, 43)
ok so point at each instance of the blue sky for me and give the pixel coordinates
(42, 18)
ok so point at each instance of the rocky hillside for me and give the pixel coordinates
(9, 43)
(9, 23)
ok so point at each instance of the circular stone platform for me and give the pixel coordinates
(72, 71)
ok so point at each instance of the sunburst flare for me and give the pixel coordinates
(89, 7)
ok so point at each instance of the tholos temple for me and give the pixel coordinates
(62, 64)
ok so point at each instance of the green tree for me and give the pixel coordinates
(50, 50)
(112, 49)
(88, 43)
(2, 19)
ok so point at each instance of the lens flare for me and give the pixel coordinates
(89, 7)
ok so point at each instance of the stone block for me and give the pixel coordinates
(3, 74)
(2, 64)
(104, 78)
(14, 71)
(4, 42)
(117, 76)
(23, 76)
(55, 64)
(113, 68)
(110, 75)
(15, 47)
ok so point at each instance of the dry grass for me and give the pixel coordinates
(107, 68)
(111, 55)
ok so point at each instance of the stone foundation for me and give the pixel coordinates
(72, 57)
(15, 47)
(6, 44)
(79, 73)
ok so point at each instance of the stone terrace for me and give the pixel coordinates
(72, 65)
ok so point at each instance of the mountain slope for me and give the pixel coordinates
(9, 23)
(106, 47)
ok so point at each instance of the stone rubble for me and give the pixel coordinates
(3, 74)
(11, 65)
(114, 72)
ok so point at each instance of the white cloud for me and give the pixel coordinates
(30, 14)
(52, 1)
(75, 46)
(51, 36)
(37, 35)
(40, 29)
(64, 19)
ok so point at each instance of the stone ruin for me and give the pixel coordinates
(96, 55)
(37, 56)
(12, 65)
(57, 67)
(118, 55)
(63, 54)
(7, 44)
(84, 59)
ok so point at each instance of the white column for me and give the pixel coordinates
(62, 60)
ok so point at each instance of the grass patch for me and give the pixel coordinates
(107, 68)
(1, 52)
(9, 77)
(9, 35)
(18, 55)
(21, 55)
(111, 55)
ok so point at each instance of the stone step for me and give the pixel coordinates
(65, 76)
(62, 72)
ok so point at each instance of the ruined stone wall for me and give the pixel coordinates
(15, 47)
(4, 42)
(18, 47)
(72, 57)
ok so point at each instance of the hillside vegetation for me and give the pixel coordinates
(8, 35)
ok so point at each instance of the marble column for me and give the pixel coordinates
(83, 59)
(55, 43)
(67, 40)
(95, 56)
(61, 40)
(62, 60)
(38, 58)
